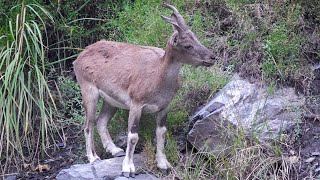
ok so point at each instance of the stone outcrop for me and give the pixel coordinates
(243, 107)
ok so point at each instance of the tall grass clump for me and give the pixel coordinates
(27, 105)
(247, 162)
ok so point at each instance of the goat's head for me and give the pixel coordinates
(185, 44)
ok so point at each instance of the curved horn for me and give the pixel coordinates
(171, 7)
(177, 16)
(173, 22)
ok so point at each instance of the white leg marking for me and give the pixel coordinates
(127, 164)
(89, 147)
(113, 149)
(161, 158)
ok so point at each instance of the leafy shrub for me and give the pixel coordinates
(71, 99)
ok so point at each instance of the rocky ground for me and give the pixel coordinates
(303, 152)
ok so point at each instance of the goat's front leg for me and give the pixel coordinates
(128, 168)
(161, 130)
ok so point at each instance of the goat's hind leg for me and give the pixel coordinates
(90, 97)
(106, 113)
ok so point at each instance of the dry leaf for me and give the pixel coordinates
(42, 167)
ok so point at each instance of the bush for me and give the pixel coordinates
(71, 100)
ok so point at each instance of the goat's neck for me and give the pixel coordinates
(170, 68)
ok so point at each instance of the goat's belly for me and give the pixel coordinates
(150, 108)
(120, 102)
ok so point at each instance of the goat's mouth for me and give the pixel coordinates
(207, 64)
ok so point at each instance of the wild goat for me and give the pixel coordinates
(136, 78)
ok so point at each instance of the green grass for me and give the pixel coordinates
(141, 22)
(282, 53)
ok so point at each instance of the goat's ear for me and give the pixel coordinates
(174, 39)
(174, 24)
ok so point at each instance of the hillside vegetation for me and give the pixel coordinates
(273, 42)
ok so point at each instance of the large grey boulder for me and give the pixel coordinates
(103, 170)
(243, 107)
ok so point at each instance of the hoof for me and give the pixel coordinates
(125, 174)
(128, 174)
(119, 154)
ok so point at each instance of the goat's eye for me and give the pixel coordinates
(188, 47)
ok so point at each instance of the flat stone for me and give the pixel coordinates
(103, 169)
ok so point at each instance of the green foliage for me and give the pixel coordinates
(198, 85)
(140, 23)
(149, 151)
(171, 150)
(264, 40)
(176, 119)
(119, 122)
(71, 100)
(282, 49)
(147, 127)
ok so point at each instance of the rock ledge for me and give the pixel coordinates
(104, 169)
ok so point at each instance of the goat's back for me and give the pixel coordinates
(105, 59)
